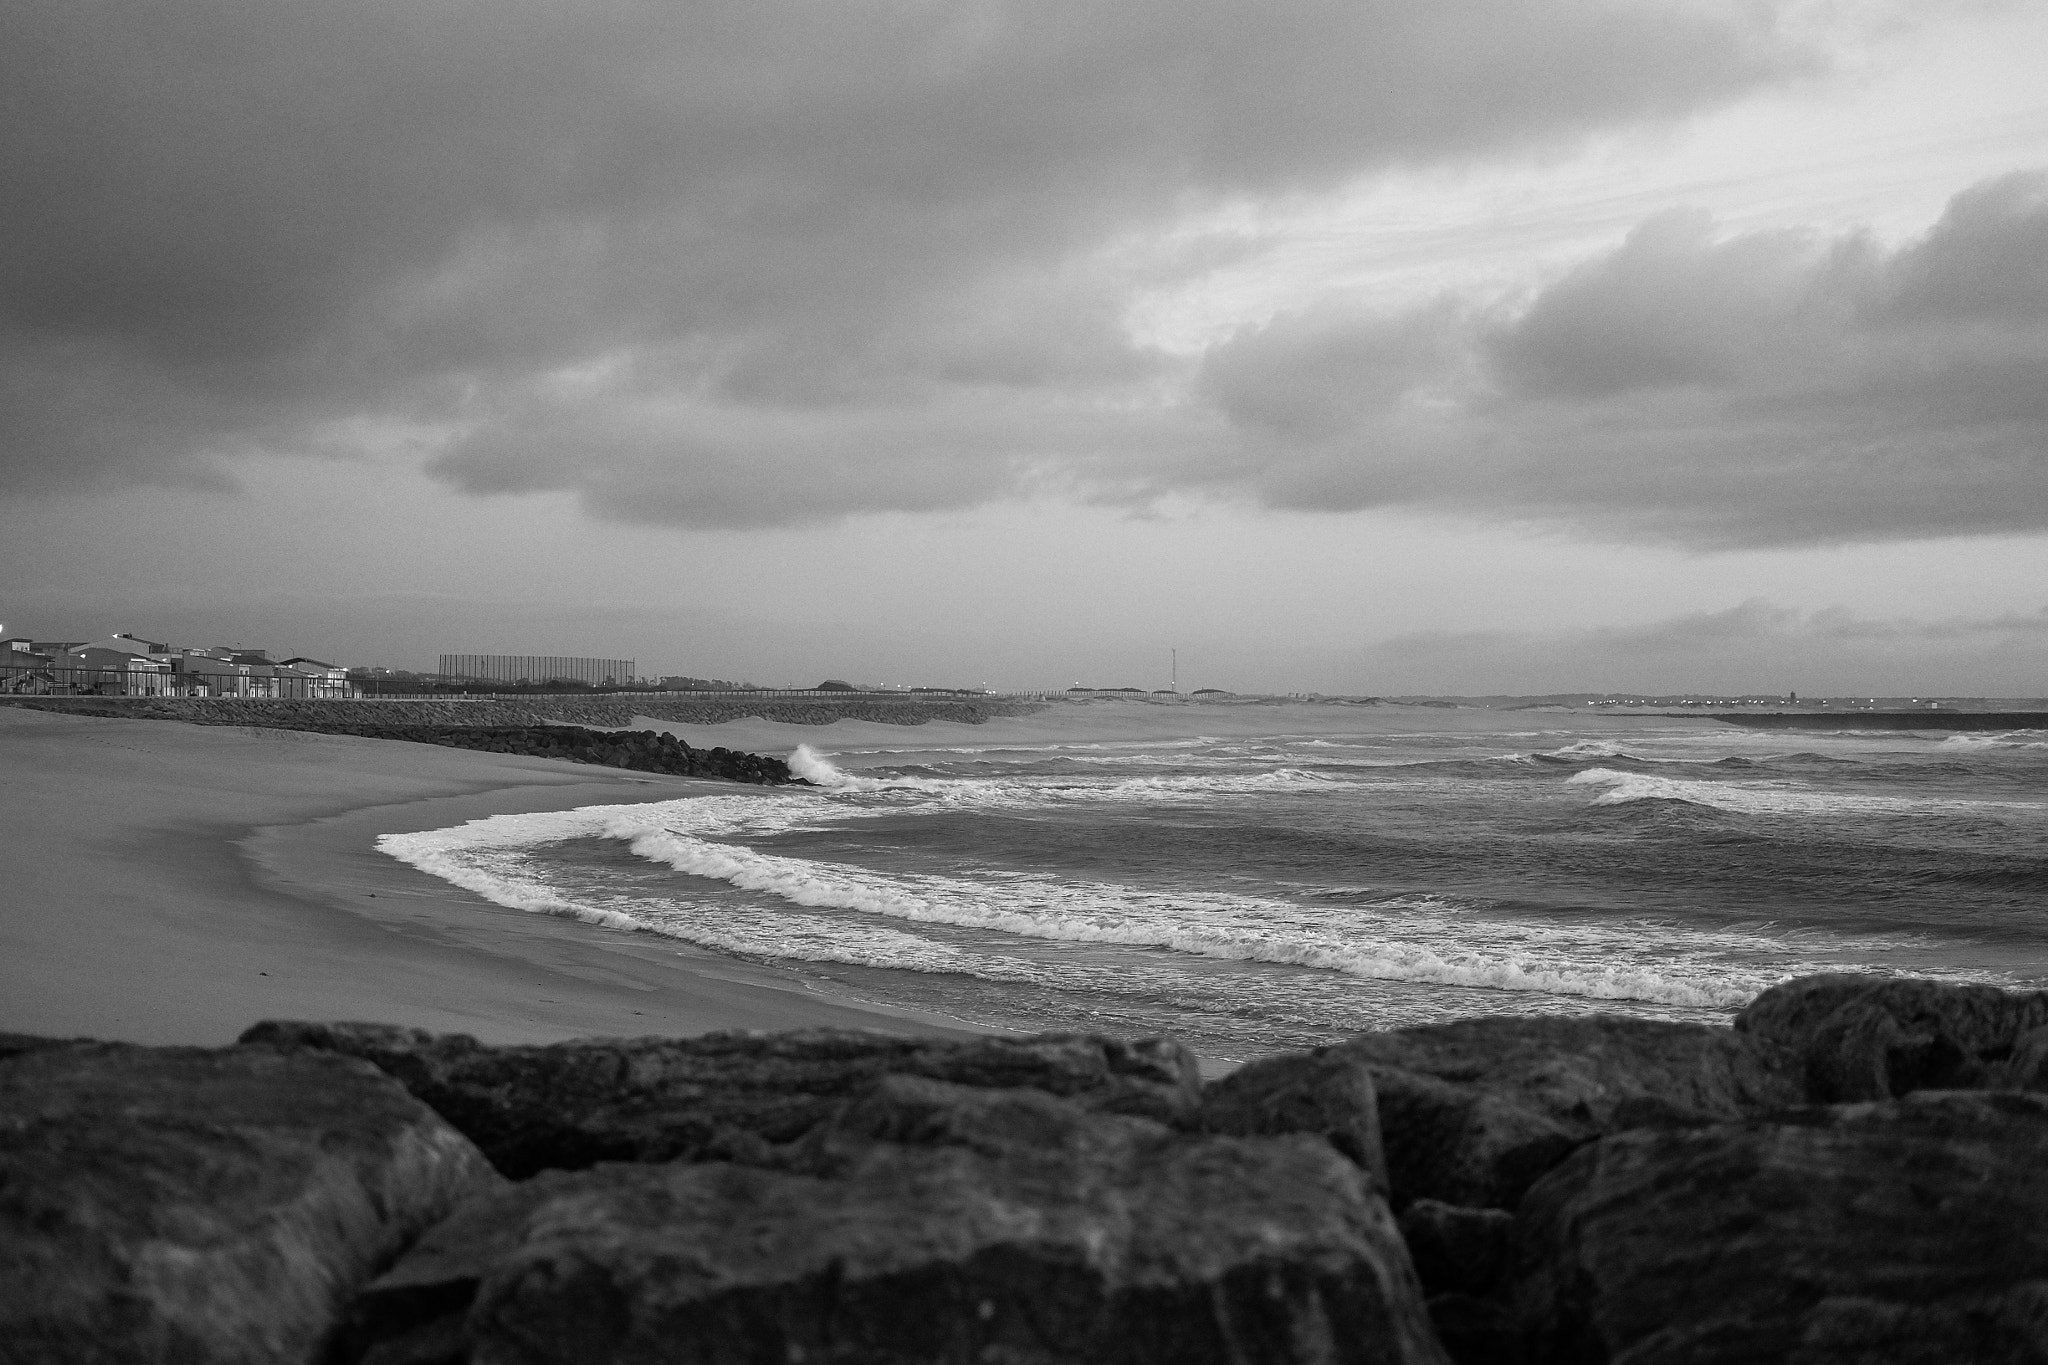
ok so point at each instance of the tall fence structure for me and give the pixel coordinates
(535, 668)
(281, 684)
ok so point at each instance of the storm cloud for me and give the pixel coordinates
(717, 262)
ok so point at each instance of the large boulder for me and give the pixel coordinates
(1323, 1092)
(1472, 1112)
(187, 1204)
(925, 1222)
(1861, 1037)
(729, 1096)
(1911, 1230)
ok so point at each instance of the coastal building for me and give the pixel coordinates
(125, 664)
(114, 671)
(300, 676)
(536, 668)
(204, 673)
(25, 669)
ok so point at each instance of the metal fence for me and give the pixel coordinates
(57, 681)
(537, 668)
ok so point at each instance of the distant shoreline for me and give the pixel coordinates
(607, 710)
(1885, 720)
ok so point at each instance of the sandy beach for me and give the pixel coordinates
(171, 883)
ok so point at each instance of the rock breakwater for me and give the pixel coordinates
(647, 751)
(1853, 1172)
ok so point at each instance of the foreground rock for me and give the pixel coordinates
(722, 1096)
(1913, 1230)
(1471, 1113)
(926, 1222)
(1859, 1037)
(1324, 1092)
(183, 1204)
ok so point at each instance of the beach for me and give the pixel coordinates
(170, 883)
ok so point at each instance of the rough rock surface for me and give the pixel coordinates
(181, 1204)
(926, 1222)
(16, 1044)
(1324, 1092)
(729, 1096)
(1472, 1112)
(1859, 1037)
(1906, 1230)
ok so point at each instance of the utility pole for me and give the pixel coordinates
(1176, 670)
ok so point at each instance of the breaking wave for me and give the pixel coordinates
(1759, 799)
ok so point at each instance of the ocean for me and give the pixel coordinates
(1253, 892)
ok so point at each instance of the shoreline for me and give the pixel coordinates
(178, 883)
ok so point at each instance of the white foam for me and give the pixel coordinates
(1758, 798)
(816, 910)
(1589, 748)
(2005, 739)
(1416, 939)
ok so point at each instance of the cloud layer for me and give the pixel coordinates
(742, 264)
(1775, 388)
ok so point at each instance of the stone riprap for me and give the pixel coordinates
(1874, 1038)
(218, 1205)
(1913, 1229)
(724, 1095)
(1474, 1111)
(926, 1222)
(1542, 1190)
(646, 751)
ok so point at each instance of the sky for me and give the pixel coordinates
(1390, 346)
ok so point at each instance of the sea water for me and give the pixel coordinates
(1246, 894)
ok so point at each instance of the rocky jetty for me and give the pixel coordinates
(1857, 1170)
(646, 751)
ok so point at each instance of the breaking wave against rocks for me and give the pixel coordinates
(1253, 893)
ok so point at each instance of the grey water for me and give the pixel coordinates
(1252, 893)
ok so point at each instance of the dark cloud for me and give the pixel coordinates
(1776, 388)
(768, 230)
